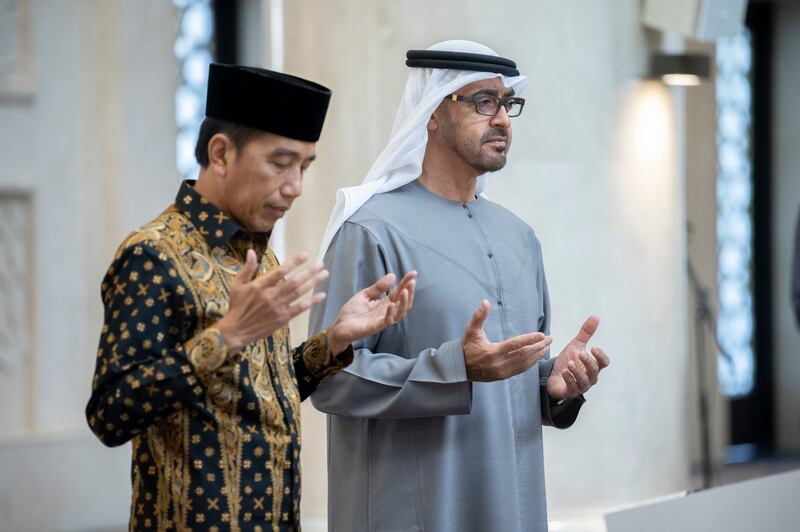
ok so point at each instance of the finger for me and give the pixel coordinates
(531, 354)
(280, 273)
(590, 367)
(588, 329)
(512, 344)
(400, 310)
(293, 287)
(580, 376)
(573, 388)
(412, 289)
(381, 286)
(412, 286)
(478, 317)
(248, 269)
(601, 357)
(308, 284)
(537, 349)
(407, 279)
(388, 315)
(298, 307)
(299, 270)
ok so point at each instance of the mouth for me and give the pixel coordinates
(498, 143)
(278, 210)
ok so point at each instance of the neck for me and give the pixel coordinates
(448, 176)
(210, 188)
(205, 186)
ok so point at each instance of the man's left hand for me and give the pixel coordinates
(367, 313)
(575, 370)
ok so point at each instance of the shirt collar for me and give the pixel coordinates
(215, 226)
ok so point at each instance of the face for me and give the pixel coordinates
(480, 141)
(264, 178)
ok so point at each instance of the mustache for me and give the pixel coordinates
(493, 134)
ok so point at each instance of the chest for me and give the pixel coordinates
(462, 260)
(260, 385)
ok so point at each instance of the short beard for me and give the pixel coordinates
(494, 164)
(468, 151)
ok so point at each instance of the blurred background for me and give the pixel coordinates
(669, 211)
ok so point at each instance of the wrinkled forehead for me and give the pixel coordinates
(274, 145)
(493, 86)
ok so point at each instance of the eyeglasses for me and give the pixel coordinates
(488, 105)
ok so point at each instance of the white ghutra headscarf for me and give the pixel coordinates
(400, 162)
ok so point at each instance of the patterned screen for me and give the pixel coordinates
(734, 218)
(193, 47)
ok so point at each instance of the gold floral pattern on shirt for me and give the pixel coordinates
(215, 439)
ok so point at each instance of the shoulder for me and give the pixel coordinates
(381, 210)
(358, 237)
(144, 254)
(379, 216)
(148, 248)
(368, 231)
(511, 222)
(153, 237)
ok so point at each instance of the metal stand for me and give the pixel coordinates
(703, 317)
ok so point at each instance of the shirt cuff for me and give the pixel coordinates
(563, 415)
(560, 415)
(206, 351)
(318, 361)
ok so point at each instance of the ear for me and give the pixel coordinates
(439, 114)
(221, 153)
(432, 124)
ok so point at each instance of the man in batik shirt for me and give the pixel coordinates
(194, 364)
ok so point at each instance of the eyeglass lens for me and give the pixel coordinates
(489, 105)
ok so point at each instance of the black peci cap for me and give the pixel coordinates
(270, 101)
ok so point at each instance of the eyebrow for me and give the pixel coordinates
(286, 152)
(493, 92)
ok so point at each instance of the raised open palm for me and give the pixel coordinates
(574, 370)
(367, 313)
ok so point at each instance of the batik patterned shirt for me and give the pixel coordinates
(215, 437)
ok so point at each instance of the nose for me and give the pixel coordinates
(501, 119)
(293, 186)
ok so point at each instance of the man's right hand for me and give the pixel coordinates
(487, 361)
(259, 307)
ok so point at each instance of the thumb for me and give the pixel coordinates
(381, 285)
(588, 329)
(248, 269)
(478, 318)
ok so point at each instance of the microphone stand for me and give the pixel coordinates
(703, 317)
